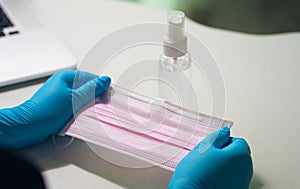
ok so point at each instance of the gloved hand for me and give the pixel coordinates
(50, 108)
(217, 162)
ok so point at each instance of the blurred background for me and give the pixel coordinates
(249, 16)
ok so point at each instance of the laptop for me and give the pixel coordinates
(28, 51)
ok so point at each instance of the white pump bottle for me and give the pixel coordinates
(175, 64)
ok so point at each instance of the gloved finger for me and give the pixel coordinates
(74, 78)
(238, 144)
(88, 91)
(217, 139)
(222, 137)
(65, 75)
(81, 78)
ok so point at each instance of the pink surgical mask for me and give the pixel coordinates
(149, 129)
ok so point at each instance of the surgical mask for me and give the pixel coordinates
(150, 129)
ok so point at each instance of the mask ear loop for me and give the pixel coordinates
(62, 146)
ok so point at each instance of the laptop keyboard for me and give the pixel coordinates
(5, 25)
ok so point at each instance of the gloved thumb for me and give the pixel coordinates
(216, 139)
(88, 91)
(222, 138)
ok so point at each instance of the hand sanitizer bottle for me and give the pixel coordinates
(175, 64)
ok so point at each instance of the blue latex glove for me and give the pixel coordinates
(50, 108)
(218, 162)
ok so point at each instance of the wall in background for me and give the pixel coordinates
(250, 16)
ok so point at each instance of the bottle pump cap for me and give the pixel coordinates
(175, 42)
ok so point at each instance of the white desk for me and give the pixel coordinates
(261, 75)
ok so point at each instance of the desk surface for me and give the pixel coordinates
(261, 75)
